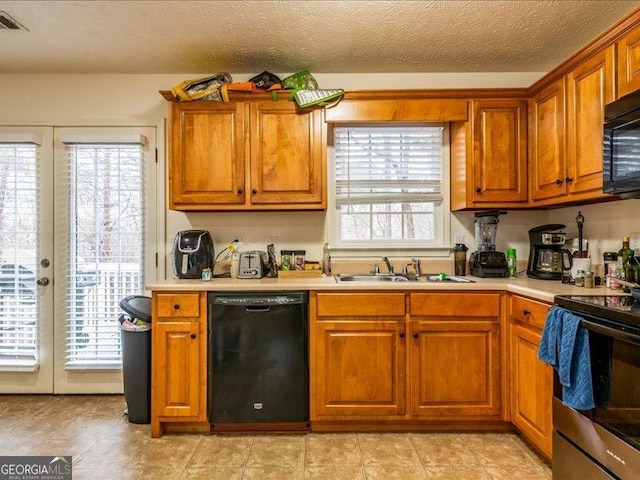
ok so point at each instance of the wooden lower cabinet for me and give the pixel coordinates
(454, 356)
(531, 379)
(360, 369)
(455, 369)
(179, 346)
(358, 347)
(372, 361)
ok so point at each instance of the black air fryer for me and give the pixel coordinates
(192, 253)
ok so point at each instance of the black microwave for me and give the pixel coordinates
(621, 149)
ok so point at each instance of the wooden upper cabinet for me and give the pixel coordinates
(207, 155)
(590, 87)
(499, 151)
(546, 147)
(565, 154)
(286, 149)
(628, 67)
(247, 155)
(489, 155)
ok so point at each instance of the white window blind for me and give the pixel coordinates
(105, 195)
(388, 183)
(19, 247)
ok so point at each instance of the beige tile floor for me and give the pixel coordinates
(106, 446)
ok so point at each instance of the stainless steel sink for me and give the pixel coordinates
(371, 278)
(431, 278)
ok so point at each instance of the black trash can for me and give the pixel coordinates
(135, 333)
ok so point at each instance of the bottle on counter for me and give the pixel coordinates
(326, 259)
(460, 259)
(235, 263)
(610, 267)
(631, 269)
(512, 263)
(623, 253)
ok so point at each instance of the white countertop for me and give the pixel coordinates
(543, 290)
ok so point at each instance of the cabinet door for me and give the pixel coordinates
(531, 388)
(179, 383)
(360, 368)
(589, 87)
(547, 149)
(455, 369)
(499, 151)
(287, 156)
(629, 63)
(207, 155)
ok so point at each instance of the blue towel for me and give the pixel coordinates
(565, 346)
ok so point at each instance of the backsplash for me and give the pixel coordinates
(604, 226)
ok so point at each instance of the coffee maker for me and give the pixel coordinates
(547, 255)
(486, 262)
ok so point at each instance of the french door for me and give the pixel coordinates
(77, 234)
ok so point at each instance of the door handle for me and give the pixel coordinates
(44, 281)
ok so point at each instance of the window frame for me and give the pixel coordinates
(440, 247)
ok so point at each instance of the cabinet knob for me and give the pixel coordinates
(240, 191)
(176, 306)
(402, 335)
(254, 191)
(526, 312)
(558, 182)
(193, 335)
(478, 190)
(416, 335)
(568, 179)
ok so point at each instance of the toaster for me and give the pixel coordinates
(253, 264)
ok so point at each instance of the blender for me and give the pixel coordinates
(486, 262)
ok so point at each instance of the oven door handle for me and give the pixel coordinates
(611, 332)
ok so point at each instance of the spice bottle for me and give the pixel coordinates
(588, 280)
(579, 280)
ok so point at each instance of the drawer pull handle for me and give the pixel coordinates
(526, 312)
(402, 335)
(240, 191)
(568, 179)
(558, 181)
(176, 306)
(478, 190)
(254, 191)
(193, 335)
(416, 335)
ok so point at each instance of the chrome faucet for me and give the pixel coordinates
(388, 264)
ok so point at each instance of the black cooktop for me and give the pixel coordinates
(618, 308)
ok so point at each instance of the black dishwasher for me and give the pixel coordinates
(258, 369)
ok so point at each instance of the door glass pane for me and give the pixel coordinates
(106, 240)
(19, 222)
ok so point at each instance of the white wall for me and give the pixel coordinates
(126, 99)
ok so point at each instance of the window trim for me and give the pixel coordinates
(407, 247)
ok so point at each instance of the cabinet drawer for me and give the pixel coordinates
(455, 304)
(528, 311)
(361, 304)
(178, 305)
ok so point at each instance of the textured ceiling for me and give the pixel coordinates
(286, 36)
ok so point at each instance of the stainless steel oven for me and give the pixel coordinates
(604, 442)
